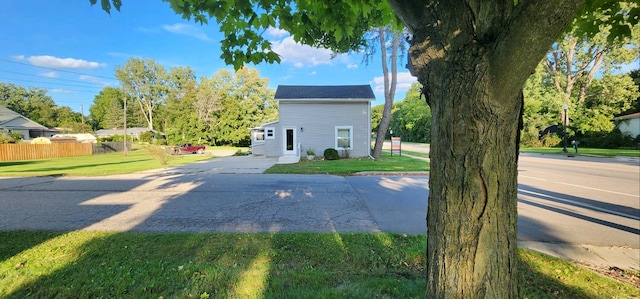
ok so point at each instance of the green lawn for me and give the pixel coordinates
(293, 265)
(386, 163)
(95, 165)
(583, 151)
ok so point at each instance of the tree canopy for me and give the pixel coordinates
(35, 104)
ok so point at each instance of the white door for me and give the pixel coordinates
(289, 135)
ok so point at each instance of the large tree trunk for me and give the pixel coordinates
(472, 248)
(472, 58)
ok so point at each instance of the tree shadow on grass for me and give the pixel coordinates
(136, 265)
(283, 265)
(14, 242)
(42, 170)
(17, 163)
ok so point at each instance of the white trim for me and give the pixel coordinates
(350, 128)
(269, 133)
(294, 151)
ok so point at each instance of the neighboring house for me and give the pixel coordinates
(629, 124)
(317, 117)
(80, 137)
(15, 122)
(133, 132)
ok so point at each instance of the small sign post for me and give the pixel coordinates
(396, 146)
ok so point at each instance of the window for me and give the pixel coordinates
(270, 133)
(258, 135)
(344, 137)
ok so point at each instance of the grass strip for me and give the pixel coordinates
(583, 151)
(84, 264)
(386, 163)
(95, 165)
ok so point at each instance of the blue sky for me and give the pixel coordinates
(72, 48)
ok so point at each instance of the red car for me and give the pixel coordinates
(189, 148)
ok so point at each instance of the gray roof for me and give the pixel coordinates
(130, 131)
(12, 120)
(324, 92)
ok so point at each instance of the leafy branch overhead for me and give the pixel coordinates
(106, 4)
(619, 17)
(339, 26)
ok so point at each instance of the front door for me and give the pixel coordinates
(290, 147)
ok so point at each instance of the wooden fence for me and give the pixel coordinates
(26, 151)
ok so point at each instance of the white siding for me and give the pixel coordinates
(316, 124)
(273, 146)
(630, 126)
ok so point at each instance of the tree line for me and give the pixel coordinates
(218, 110)
(581, 72)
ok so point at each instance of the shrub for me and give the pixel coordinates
(41, 140)
(161, 154)
(146, 136)
(551, 140)
(13, 137)
(331, 154)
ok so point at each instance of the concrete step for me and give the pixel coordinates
(288, 159)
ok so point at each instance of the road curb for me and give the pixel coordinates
(599, 256)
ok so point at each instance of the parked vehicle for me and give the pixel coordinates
(188, 148)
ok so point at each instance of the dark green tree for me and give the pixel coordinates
(107, 110)
(180, 122)
(33, 103)
(411, 117)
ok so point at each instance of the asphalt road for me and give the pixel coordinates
(199, 198)
(589, 202)
(579, 200)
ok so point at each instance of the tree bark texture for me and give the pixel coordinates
(472, 58)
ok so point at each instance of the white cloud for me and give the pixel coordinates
(49, 75)
(68, 63)
(352, 66)
(188, 30)
(276, 33)
(60, 90)
(300, 55)
(18, 57)
(94, 80)
(314, 72)
(404, 82)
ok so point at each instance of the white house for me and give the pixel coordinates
(15, 122)
(629, 124)
(317, 118)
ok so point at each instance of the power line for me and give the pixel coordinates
(56, 85)
(87, 83)
(59, 70)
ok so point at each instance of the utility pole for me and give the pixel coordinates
(565, 107)
(125, 122)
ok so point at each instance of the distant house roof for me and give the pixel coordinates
(346, 92)
(13, 120)
(130, 131)
(81, 137)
